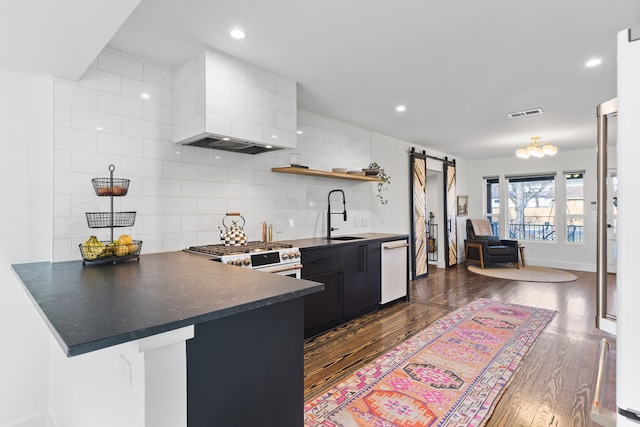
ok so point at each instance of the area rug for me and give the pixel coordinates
(525, 274)
(451, 373)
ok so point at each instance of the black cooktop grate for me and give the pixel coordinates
(222, 250)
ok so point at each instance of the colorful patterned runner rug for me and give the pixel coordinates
(451, 373)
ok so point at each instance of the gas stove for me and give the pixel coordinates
(273, 257)
(250, 247)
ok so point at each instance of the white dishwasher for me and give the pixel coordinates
(394, 270)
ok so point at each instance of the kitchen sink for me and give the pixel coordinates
(347, 238)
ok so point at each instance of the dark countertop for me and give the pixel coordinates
(95, 306)
(321, 242)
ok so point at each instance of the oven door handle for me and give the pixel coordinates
(288, 268)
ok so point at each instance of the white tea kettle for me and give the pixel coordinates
(234, 235)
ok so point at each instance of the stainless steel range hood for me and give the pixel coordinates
(225, 104)
(227, 144)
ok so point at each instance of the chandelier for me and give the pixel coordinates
(536, 149)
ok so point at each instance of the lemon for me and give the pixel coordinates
(125, 239)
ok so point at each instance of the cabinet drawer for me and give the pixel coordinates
(316, 261)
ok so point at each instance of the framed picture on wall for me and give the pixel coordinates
(463, 205)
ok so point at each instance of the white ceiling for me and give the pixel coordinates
(459, 65)
(60, 37)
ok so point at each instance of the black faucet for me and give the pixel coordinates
(329, 213)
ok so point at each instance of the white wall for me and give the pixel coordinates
(26, 123)
(559, 254)
(181, 193)
(396, 217)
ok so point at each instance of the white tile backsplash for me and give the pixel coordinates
(157, 113)
(157, 75)
(140, 167)
(116, 63)
(68, 138)
(92, 120)
(213, 173)
(179, 170)
(118, 104)
(196, 189)
(261, 79)
(119, 144)
(134, 88)
(100, 80)
(181, 193)
(258, 114)
(179, 205)
(78, 96)
(157, 187)
(286, 87)
(227, 106)
(246, 92)
(141, 128)
(192, 154)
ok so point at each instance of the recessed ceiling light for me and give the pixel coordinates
(593, 62)
(268, 146)
(274, 136)
(225, 139)
(299, 132)
(99, 128)
(401, 108)
(145, 95)
(238, 34)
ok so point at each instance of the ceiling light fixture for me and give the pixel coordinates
(238, 34)
(536, 149)
(401, 108)
(593, 62)
(145, 95)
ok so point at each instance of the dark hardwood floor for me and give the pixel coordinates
(554, 385)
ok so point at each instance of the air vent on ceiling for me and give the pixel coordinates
(526, 113)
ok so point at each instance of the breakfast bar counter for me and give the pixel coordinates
(244, 331)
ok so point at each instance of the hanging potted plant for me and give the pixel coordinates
(382, 185)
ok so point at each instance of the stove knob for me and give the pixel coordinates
(246, 261)
(295, 254)
(233, 262)
(284, 255)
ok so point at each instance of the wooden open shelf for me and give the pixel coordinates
(314, 172)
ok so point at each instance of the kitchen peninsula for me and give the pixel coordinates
(170, 321)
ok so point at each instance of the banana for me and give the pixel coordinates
(93, 248)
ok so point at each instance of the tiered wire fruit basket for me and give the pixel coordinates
(94, 250)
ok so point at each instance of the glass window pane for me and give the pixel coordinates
(492, 204)
(532, 213)
(574, 200)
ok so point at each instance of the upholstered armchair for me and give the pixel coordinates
(482, 247)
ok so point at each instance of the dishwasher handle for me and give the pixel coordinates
(404, 245)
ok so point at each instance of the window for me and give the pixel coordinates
(532, 213)
(574, 195)
(492, 204)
